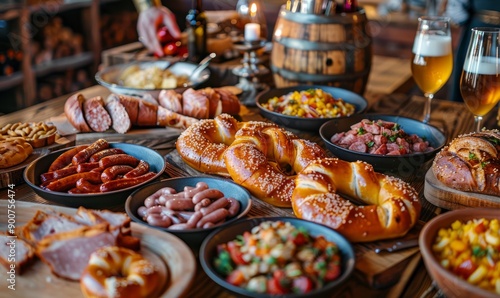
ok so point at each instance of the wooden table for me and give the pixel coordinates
(451, 117)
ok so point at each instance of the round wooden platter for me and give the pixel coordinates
(448, 198)
(14, 174)
(173, 257)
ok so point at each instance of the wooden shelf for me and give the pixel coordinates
(63, 64)
(15, 79)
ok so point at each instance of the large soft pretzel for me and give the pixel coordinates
(391, 206)
(119, 272)
(202, 145)
(265, 160)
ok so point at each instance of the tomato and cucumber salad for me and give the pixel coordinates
(276, 257)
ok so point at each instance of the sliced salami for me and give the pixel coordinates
(119, 116)
(96, 115)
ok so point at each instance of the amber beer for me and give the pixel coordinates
(432, 61)
(480, 85)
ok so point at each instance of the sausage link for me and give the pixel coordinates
(142, 211)
(103, 153)
(65, 158)
(75, 191)
(167, 197)
(141, 169)
(195, 218)
(69, 182)
(213, 217)
(86, 167)
(204, 203)
(158, 220)
(219, 203)
(86, 187)
(234, 207)
(153, 199)
(210, 193)
(179, 226)
(113, 172)
(118, 159)
(180, 204)
(50, 176)
(125, 182)
(191, 192)
(86, 153)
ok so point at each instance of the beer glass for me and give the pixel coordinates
(480, 80)
(432, 57)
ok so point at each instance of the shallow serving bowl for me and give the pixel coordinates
(192, 237)
(109, 77)
(311, 124)
(402, 164)
(225, 234)
(450, 284)
(95, 200)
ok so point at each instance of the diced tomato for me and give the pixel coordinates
(235, 253)
(274, 287)
(465, 269)
(283, 282)
(302, 284)
(236, 278)
(480, 228)
(299, 239)
(333, 272)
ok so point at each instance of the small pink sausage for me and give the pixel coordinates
(158, 220)
(142, 211)
(194, 219)
(203, 203)
(179, 226)
(213, 217)
(207, 193)
(180, 204)
(190, 192)
(153, 199)
(219, 203)
(234, 207)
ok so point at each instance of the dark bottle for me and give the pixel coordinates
(350, 6)
(196, 25)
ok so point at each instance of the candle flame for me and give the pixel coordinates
(253, 10)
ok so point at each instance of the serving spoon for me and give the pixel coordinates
(201, 66)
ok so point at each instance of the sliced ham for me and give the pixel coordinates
(195, 104)
(68, 253)
(44, 224)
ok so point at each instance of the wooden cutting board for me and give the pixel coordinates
(445, 197)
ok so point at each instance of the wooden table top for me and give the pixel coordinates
(450, 117)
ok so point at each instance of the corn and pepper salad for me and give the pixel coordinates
(310, 103)
(278, 258)
(471, 250)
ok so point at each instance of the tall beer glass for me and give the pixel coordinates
(432, 57)
(480, 80)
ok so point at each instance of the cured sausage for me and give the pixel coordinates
(96, 115)
(84, 186)
(166, 117)
(113, 172)
(86, 167)
(120, 118)
(85, 154)
(118, 159)
(69, 182)
(147, 113)
(125, 182)
(73, 109)
(106, 152)
(49, 176)
(141, 169)
(65, 158)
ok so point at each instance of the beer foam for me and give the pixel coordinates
(486, 66)
(432, 45)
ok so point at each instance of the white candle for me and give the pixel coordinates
(252, 32)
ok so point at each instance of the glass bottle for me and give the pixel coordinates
(196, 28)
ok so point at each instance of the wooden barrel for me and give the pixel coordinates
(322, 50)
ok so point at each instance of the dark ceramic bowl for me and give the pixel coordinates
(96, 200)
(192, 237)
(310, 124)
(450, 284)
(402, 164)
(109, 77)
(225, 234)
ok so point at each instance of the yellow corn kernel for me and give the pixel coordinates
(492, 238)
(477, 275)
(456, 225)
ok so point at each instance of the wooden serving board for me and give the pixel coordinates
(445, 197)
(173, 257)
